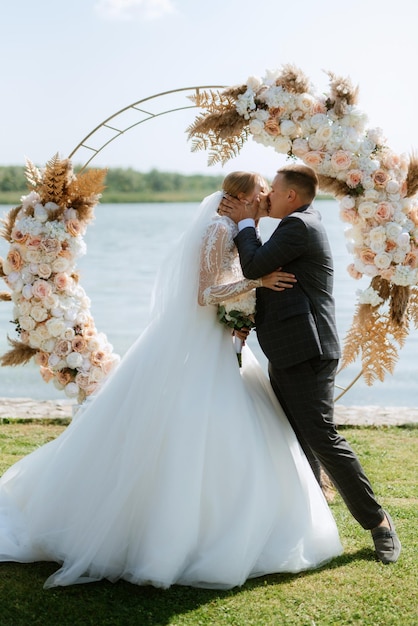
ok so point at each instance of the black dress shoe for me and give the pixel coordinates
(386, 542)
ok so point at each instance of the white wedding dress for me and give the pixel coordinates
(183, 469)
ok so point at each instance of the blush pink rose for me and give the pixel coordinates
(367, 256)
(380, 178)
(341, 160)
(384, 212)
(313, 158)
(46, 374)
(354, 273)
(34, 243)
(41, 289)
(61, 281)
(41, 358)
(14, 258)
(354, 178)
(18, 236)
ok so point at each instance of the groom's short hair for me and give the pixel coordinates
(302, 178)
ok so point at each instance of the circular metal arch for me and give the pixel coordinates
(125, 119)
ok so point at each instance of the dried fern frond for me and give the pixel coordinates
(19, 355)
(382, 286)
(412, 176)
(338, 188)
(5, 296)
(398, 303)
(55, 179)
(413, 306)
(87, 184)
(8, 223)
(379, 354)
(342, 93)
(217, 100)
(356, 334)
(2, 273)
(399, 332)
(33, 175)
(292, 79)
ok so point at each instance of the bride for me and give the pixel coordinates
(183, 469)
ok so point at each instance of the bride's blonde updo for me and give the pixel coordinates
(242, 183)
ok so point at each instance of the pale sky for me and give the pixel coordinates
(68, 65)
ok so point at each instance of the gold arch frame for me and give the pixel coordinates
(110, 124)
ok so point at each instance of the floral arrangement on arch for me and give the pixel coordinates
(51, 310)
(376, 189)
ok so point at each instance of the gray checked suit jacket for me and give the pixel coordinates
(296, 324)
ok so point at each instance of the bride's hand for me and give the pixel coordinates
(278, 280)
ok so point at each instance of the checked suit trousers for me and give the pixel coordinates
(306, 391)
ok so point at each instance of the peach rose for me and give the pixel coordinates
(34, 242)
(272, 127)
(74, 227)
(380, 178)
(41, 289)
(390, 245)
(313, 158)
(62, 348)
(300, 147)
(349, 215)
(82, 380)
(24, 336)
(14, 258)
(98, 357)
(18, 236)
(354, 178)
(61, 281)
(411, 260)
(384, 212)
(51, 246)
(41, 358)
(367, 256)
(318, 107)
(79, 344)
(64, 376)
(46, 374)
(341, 160)
(354, 273)
(388, 273)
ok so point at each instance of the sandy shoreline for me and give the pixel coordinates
(27, 408)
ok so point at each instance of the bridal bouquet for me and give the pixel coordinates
(238, 318)
(51, 310)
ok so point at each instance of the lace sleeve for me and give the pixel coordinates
(212, 257)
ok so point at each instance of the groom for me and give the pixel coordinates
(297, 332)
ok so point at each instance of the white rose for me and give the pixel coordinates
(53, 360)
(256, 127)
(35, 339)
(56, 327)
(26, 322)
(40, 213)
(24, 307)
(382, 260)
(57, 311)
(347, 202)
(393, 231)
(367, 209)
(57, 384)
(371, 194)
(48, 345)
(399, 256)
(392, 186)
(71, 390)
(60, 265)
(324, 133)
(74, 360)
(96, 375)
(38, 313)
(69, 333)
(315, 143)
(27, 292)
(282, 144)
(378, 238)
(13, 277)
(305, 102)
(319, 119)
(288, 128)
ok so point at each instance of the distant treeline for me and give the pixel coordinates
(125, 185)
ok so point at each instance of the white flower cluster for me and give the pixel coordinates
(245, 303)
(51, 309)
(384, 223)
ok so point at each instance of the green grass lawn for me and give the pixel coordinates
(352, 589)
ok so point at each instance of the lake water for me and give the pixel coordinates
(125, 245)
